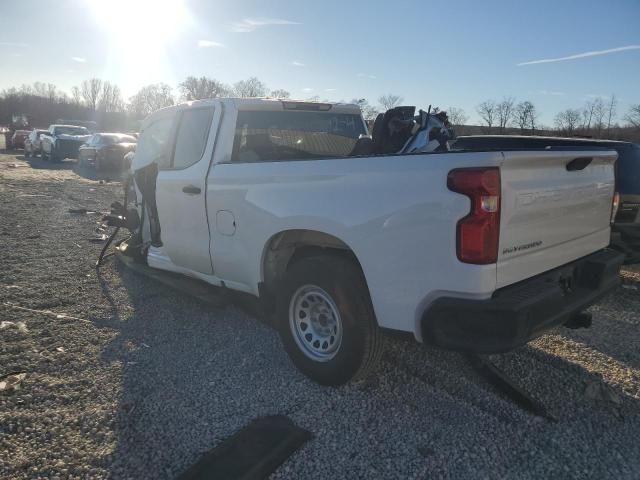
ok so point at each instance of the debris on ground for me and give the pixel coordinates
(598, 390)
(45, 312)
(21, 326)
(99, 238)
(82, 211)
(12, 381)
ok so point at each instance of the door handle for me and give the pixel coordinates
(191, 190)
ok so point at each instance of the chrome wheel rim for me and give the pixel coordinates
(315, 323)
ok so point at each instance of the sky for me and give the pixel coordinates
(557, 54)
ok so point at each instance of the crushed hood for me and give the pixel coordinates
(75, 138)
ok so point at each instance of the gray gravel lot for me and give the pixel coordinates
(143, 379)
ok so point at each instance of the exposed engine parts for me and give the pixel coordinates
(399, 130)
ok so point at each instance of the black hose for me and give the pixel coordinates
(115, 232)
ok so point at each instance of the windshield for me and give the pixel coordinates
(71, 131)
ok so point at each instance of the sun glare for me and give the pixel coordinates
(140, 33)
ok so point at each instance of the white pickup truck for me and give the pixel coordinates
(473, 251)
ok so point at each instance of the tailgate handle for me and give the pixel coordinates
(578, 164)
(191, 190)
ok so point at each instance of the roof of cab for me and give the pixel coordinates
(272, 104)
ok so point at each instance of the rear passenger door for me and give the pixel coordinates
(181, 190)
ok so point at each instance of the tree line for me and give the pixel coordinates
(103, 101)
(597, 118)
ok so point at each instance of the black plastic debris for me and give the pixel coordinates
(99, 238)
(252, 453)
(508, 387)
(81, 211)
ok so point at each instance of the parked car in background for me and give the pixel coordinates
(18, 138)
(88, 124)
(106, 151)
(625, 232)
(63, 141)
(32, 143)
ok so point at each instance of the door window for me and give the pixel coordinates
(192, 137)
(153, 144)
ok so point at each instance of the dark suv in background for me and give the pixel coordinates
(625, 232)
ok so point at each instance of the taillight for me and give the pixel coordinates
(478, 233)
(615, 204)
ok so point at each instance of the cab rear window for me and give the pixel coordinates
(263, 136)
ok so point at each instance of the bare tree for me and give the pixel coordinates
(611, 112)
(504, 112)
(389, 101)
(525, 115)
(39, 89)
(487, 111)
(251, 87)
(457, 116)
(151, 98)
(599, 112)
(111, 98)
(76, 96)
(587, 115)
(26, 89)
(193, 88)
(91, 90)
(633, 116)
(279, 93)
(368, 111)
(51, 92)
(568, 121)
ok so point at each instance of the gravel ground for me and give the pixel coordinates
(128, 378)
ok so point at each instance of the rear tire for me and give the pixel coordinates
(326, 322)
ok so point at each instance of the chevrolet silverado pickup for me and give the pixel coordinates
(62, 141)
(470, 251)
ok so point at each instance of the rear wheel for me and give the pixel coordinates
(326, 320)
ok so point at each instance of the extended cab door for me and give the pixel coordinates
(181, 190)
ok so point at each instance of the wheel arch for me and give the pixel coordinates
(288, 246)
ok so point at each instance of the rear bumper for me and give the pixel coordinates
(110, 160)
(519, 313)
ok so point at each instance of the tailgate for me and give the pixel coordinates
(556, 208)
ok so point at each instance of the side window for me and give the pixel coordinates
(154, 142)
(290, 135)
(192, 137)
